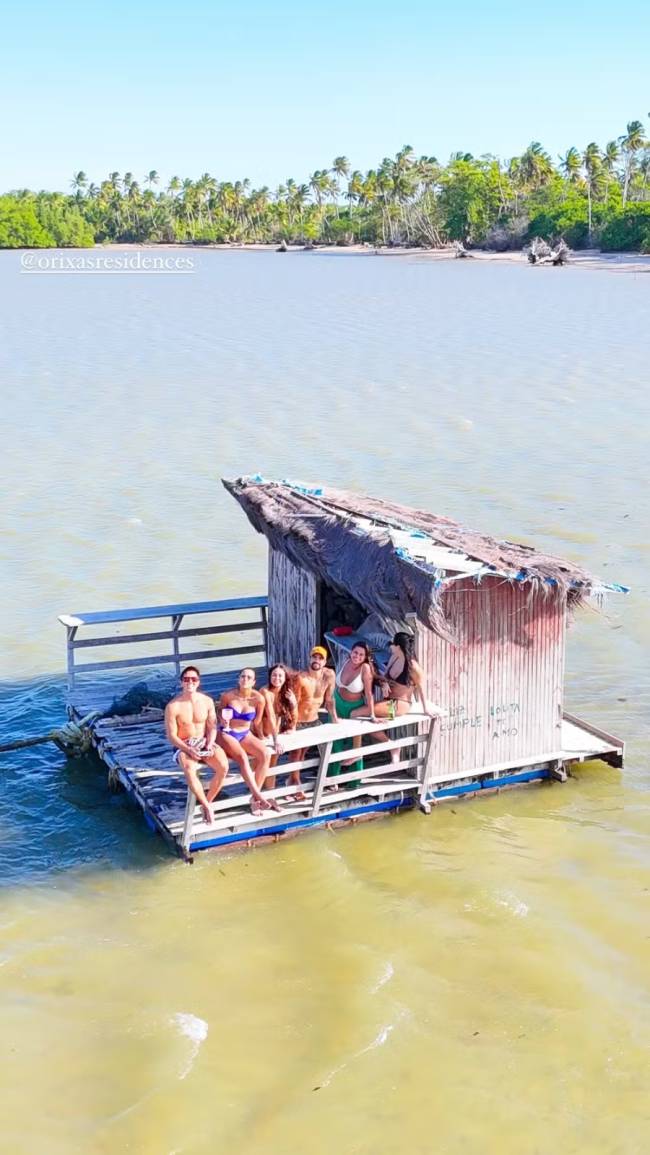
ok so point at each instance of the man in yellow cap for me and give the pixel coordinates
(314, 688)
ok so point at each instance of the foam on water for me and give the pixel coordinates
(379, 1040)
(385, 977)
(515, 905)
(196, 1030)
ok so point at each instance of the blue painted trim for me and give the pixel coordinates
(489, 783)
(302, 823)
(452, 791)
(525, 776)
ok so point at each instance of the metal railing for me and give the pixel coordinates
(175, 634)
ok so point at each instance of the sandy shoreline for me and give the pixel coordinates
(586, 258)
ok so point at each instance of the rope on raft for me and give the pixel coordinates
(73, 738)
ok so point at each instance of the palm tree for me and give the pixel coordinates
(428, 172)
(355, 189)
(318, 183)
(174, 186)
(404, 158)
(128, 182)
(152, 178)
(149, 201)
(299, 198)
(369, 188)
(632, 140)
(570, 165)
(341, 166)
(78, 183)
(592, 164)
(535, 167)
(644, 168)
(331, 189)
(385, 188)
(611, 153)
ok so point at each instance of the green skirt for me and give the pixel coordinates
(344, 710)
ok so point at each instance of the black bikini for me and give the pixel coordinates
(402, 678)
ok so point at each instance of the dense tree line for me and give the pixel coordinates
(597, 195)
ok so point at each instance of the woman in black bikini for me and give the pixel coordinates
(239, 710)
(402, 680)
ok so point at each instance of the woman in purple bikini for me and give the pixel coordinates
(239, 710)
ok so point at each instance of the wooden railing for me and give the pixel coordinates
(407, 774)
(175, 634)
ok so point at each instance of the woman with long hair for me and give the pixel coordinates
(353, 686)
(240, 712)
(402, 681)
(280, 716)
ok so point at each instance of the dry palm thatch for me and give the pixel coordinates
(348, 540)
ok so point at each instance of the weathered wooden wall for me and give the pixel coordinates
(503, 683)
(293, 611)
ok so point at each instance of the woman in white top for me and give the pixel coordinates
(353, 687)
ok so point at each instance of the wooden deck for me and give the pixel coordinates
(139, 758)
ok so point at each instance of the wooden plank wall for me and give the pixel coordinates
(503, 684)
(293, 612)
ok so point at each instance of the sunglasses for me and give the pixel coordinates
(189, 679)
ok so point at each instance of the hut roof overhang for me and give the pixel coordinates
(393, 559)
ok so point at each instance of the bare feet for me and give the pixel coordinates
(259, 806)
(207, 814)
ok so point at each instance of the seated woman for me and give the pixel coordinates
(353, 686)
(240, 710)
(280, 717)
(402, 680)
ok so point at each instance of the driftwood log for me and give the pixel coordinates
(460, 250)
(539, 252)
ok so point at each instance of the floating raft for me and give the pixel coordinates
(138, 757)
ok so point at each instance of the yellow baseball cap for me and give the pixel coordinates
(319, 650)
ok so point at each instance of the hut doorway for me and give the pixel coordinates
(337, 608)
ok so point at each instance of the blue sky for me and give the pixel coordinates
(270, 91)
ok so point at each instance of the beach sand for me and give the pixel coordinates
(585, 258)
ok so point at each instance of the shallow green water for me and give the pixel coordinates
(470, 982)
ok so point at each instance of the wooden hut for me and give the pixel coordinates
(489, 617)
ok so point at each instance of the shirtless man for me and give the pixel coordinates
(191, 725)
(314, 688)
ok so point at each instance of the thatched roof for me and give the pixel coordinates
(393, 559)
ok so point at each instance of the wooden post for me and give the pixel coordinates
(176, 625)
(559, 771)
(190, 807)
(71, 632)
(265, 634)
(320, 777)
(425, 805)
